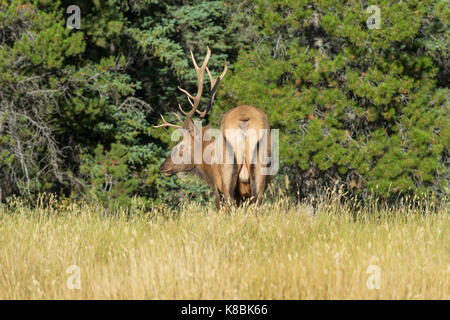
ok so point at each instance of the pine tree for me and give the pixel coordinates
(356, 106)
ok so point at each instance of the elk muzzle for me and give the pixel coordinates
(166, 169)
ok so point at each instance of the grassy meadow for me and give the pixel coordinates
(278, 251)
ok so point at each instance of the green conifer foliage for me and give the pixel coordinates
(356, 106)
(363, 107)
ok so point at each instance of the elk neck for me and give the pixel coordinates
(206, 170)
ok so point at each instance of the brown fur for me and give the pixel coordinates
(235, 182)
(244, 176)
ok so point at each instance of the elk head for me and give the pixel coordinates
(189, 133)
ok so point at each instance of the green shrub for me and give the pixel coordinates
(357, 107)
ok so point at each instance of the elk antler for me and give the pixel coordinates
(194, 101)
(215, 83)
(167, 124)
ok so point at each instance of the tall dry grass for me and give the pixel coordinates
(277, 251)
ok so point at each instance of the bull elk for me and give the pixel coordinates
(247, 174)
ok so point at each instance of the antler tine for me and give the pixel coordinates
(215, 82)
(182, 111)
(194, 101)
(202, 114)
(178, 117)
(167, 124)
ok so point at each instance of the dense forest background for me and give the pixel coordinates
(363, 108)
